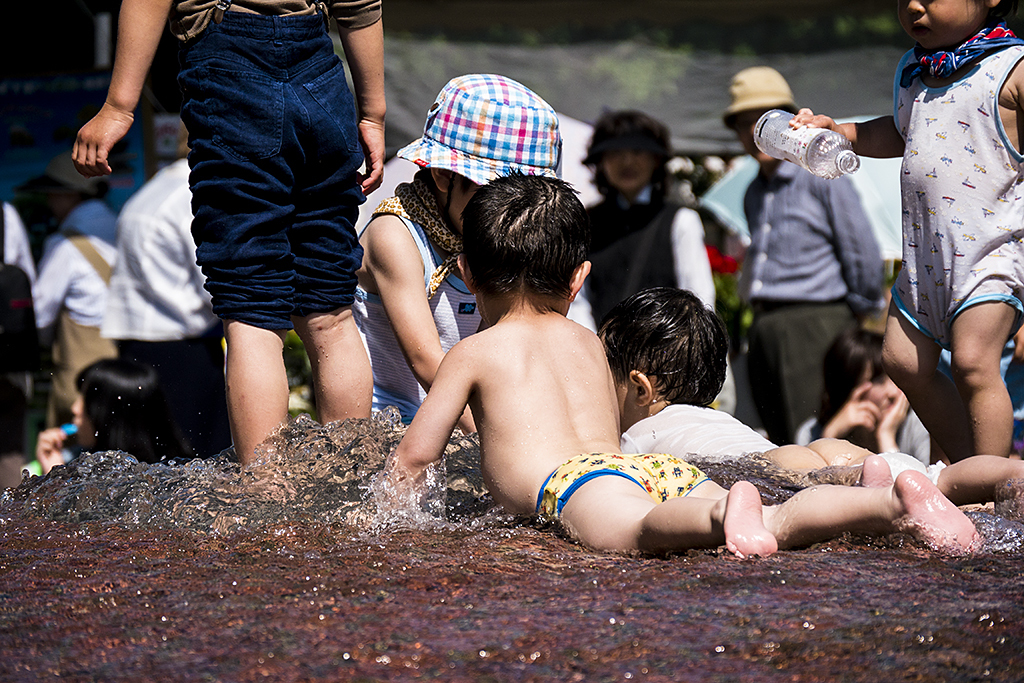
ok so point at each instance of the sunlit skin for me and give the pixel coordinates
(542, 392)
(392, 268)
(943, 24)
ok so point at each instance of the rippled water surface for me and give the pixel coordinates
(115, 571)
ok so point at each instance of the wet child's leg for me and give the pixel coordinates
(257, 385)
(613, 513)
(976, 479)
(978, 336)
(911, 359)
(912, 504)
(342, 378)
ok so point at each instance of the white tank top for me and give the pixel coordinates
(963, 198)
(455, 316)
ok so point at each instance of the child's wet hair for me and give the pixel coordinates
(671, 336)
(525, 234)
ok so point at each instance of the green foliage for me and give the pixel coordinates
(300, 377)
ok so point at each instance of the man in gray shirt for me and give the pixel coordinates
(813, 267)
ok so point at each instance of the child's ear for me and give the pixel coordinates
(442, 179)
(646, 391)
(579, 276)
(465, 273)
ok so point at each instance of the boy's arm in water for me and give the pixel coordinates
(140, 25)
(364, 52)
(394, 270)
(425, 441)
(877, 138)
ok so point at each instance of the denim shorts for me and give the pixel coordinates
(275, 151)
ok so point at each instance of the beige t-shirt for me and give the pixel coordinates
(190, 17)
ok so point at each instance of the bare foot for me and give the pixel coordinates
(930, 517)
(875, 473)
(745, 533)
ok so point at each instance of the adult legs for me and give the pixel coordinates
(787, 348)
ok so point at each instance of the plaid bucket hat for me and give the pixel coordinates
(483, 126)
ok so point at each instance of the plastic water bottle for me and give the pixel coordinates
(823, 152)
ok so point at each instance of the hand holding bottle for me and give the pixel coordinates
(812, 142)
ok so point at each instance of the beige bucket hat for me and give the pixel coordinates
(759, 87)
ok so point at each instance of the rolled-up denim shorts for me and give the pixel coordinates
(275, 151)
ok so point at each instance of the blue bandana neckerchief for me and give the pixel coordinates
(944, 63)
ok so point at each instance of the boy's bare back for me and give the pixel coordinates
(541, 392)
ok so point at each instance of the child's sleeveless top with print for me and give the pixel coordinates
(455, 315)
(963, 198)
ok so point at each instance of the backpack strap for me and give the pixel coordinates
(85, 247)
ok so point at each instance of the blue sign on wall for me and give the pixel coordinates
(40, 118)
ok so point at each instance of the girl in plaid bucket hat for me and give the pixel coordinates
(411, 305)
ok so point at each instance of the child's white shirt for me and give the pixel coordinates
(682, 430)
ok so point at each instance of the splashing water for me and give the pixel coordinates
(294, 569)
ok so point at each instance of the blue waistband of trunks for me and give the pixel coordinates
(562, 500)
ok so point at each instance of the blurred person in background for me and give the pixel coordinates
(70, 292)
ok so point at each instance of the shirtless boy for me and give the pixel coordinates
(544, 402)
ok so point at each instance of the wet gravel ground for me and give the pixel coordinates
(223, 590)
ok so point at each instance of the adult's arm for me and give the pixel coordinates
(860, 258)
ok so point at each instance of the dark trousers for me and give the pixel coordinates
(12, 433)
(786, 349)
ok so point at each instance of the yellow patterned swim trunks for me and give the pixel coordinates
(662, 476)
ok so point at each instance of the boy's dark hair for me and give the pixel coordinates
(525, 234)
(1006, 8)
(670, 335)
(629, 130)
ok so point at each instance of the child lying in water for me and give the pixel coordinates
(544, 402)
(667, 354)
